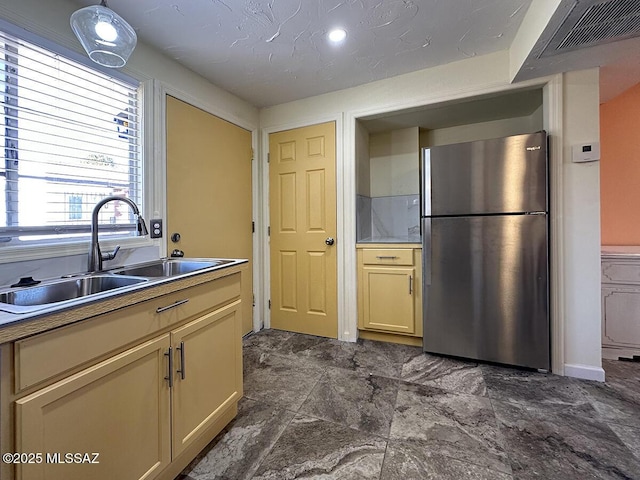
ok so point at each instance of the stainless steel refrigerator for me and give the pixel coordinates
(485, 234)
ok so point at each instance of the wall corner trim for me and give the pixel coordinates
(584, 372)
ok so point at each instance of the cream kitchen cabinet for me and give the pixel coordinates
(116, 411)
(389, 293)
(146, 401)
(621, 302)
(208, 373)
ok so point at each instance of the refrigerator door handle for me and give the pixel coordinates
(425, 178)
(426, 250)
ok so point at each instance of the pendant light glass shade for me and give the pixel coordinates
(104, 34)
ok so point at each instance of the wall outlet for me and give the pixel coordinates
(156, 228)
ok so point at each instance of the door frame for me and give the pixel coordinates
(552, 87)
(343, 175)
(159, 147)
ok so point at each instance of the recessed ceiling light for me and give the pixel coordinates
(337, 35)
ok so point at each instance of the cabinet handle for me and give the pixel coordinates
(181, 371)
(386, 257)
(410, 284)
(173, 305)
(170, 376)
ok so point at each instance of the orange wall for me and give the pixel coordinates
(620, 169)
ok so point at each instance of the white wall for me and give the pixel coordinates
(484, 130)
(50, 19)
(363, 180)
(579, 317)
(394, 162)
(581, 224)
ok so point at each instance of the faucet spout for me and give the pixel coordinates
(95, 255)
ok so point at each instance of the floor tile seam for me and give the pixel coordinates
(309, 361)
(275, 405)
(593, 401)
(409, 382)
(310, 391)
(366, 375)
(444, 455)
(268, 451)
(445, 389)
(333, 422)
(492, 396)
(610, 422)
(510, 472)
(384, 458)
(501, 426)
(393, 403)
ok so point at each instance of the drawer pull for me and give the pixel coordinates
(173, 305)
(386, 257)
(410, 284)
(181, 371)
(170, 376)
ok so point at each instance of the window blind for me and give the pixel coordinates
(71, 136)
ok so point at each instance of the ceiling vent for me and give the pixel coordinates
(588, 23)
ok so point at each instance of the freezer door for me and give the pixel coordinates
(503, 175)
(486, 288)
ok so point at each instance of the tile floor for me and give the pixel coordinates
(316, 408)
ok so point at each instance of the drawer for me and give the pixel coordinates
(387, 256)
(621, 271)
(48, 355)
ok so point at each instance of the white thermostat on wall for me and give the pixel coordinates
(586, 152)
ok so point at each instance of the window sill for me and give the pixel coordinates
(40, 252)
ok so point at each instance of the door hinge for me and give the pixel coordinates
(253, 299)
(253, 155)
(269, 231)
(268, 157)
(269, 304)
(253, 227)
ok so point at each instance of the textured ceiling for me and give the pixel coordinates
(274, 51)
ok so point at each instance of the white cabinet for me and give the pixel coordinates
(621, 303)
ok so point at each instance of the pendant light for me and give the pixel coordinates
(107, 38)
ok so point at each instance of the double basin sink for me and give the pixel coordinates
(52, 292)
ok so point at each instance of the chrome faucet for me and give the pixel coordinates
(95, 255)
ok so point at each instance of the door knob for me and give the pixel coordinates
(175, 237)
(329, 241)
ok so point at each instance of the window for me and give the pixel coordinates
(71, 136)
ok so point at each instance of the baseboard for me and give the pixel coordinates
(390, 337)
(614, 353)
(584, 372)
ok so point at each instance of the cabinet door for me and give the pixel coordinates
(118, 409)
(207, 372)
(620, 322)
(388, 299)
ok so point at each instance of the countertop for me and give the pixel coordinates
(388, 245)
(18, 325)
(398, 239)
(620, 251)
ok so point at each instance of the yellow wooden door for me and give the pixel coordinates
(209, 190)
(207, 373)
(302, 203)
(118, 409)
